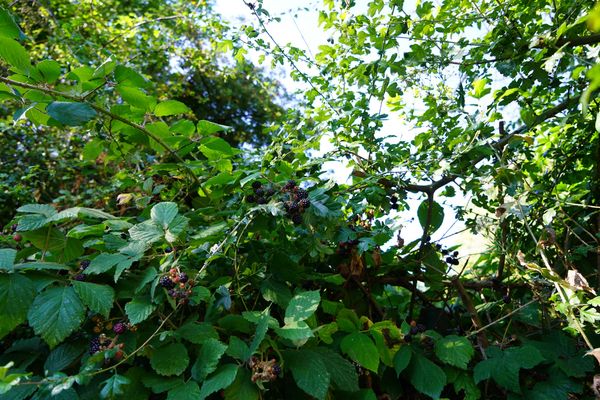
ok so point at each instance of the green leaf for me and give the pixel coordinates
(164, 213)
(242, 387)
(402, 359)
(50, 70)
(261, 331)
(221, 379)
(113, 386)
(147, 232)
(8, 26)
(197, 333)
(238, 349)
(43, 209)
(104, 262)
(426, 376)
(98, 298)
(7, 259)
(136, 97)
(309, 372)
(504, 365)
(454, 350)
(16, 296)
(343, 373)
(302, 306)
(70, 113)
(169, 360)
(187, 391)
(208, 359)
(208, 128)
(139, 309)
(361, 349)
(62, 356)
(437, 216)
(14, 54)
(55, 313)
(170, 107)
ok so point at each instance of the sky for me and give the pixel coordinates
(299, 27)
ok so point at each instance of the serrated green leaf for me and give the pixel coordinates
(55, 313)
(343, 373)
(139, 309)
(198, 332)
(113, 386)
(221, 379)
(43, 209)
(302, 306)
(208, 359)
(261, 331)
(63, 356)
(361, 349)
(402, 359)
(104, 262)
(146, 232)
(98, 298)
(169, 360)
(242, 387)
(186, 391)
(454, 350)
(170, 107)
(164, 213)
(16, 296)
(426, 376)
(7, 259)
(71, 113)
(309, 372)
(14, 54)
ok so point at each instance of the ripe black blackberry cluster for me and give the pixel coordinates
(298, 202)
(264, 371)
(451, 259)
(261, 194)
(178, 285)
(99, 343)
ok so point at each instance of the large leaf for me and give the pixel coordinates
(7, 259)
(361, 349)
(170, 107)
(402, 359)
(186, 391)
(171, 359)
(242, 387)
(302, 306)
(113, 387)
(16, 296)
(98, 298)
(55, 313)
(14, 54)
(62, 356)
(437, 216)
(343, 373)
(221, 379)
(71, 113)
(309, 372)
(163, 213)
(454, 350)
(426, 376)
(8, 26)
(147, 232)
(208, 359)
(139, 309)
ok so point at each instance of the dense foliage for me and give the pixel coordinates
(161, 250)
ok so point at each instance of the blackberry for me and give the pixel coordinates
(421, 328)
(276, 370)
(256, 185)
(79, 277)
(166, 282)
(438, 246)
(297, 219)
(455, 261)
(506, 299)
(119, 328)
(183, 278)
(292, 207)
(269, 191)
(394, 206)
(291, 184)
(304, 203)
(414, 330)
(84, 264)
(173, 293)
(449, 260)
(301, 194)
(94, 345)
(455, 254)
(259, 192)
(168, 250)
(251, 199)
(393, 199)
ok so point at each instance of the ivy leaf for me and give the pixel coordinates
(113, 386)
(437, 216)
(98, 298)
(170, 107)
(361, 349)
(169, 360)
(14, 54)
(55, 313)
(187, 391)
(70, 113)
(426, 376)
(309, 372)
(16, 296)
(208, 359)
(454, 350)
(139, 309)
(221, 379)
(302, 306)
(503, 365)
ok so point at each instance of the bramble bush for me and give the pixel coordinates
(192, 269)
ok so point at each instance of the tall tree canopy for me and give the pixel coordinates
(158, 258)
